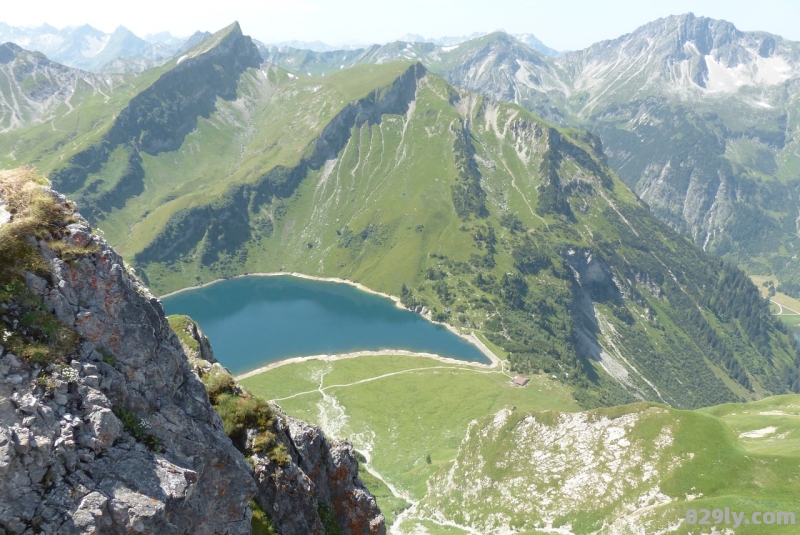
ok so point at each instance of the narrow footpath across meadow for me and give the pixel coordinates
(322, 389)
(405, 414)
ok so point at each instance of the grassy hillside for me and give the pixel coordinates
(631, 469)
(405, 414)
(498, 222)
(514, 460)
(495, 220)
(769, 426)
(714, 152)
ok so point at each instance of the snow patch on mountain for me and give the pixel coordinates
(769, 71)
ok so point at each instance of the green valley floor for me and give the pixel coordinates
(456, 449)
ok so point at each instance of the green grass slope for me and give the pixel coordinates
(406, 415)
(495, 220)
(451, 449)
(718, 165)
(769, 426)
(630, 469)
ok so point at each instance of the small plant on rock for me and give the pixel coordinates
(138, 427)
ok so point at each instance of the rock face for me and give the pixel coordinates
(204, 350)
(314, 486)
(69, 464)
(123, 438)
(321, 471)
(25, 103)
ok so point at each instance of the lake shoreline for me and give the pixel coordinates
(359, 354)
(471, 338)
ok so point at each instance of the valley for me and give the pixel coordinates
(493, 219)
(424, 414)
(378, 241)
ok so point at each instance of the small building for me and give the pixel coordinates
(520, 380)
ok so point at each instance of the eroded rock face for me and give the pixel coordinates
(68, 463)
(322, 471)
(204, 350)
(124, 439)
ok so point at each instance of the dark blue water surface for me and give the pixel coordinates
(252, 321)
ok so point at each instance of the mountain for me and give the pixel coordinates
(694, 115)
(490, 217)
(164, 38)
(315, 46)
(496, 64)
(438, 58)
(35, 90)
(632, 469)
(127, 65)
(528, 38)
(193, 40)
(88, 48)
(533, 42)
(107, 426)
(465, 61)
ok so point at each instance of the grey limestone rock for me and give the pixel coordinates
(68, 463)
(124, 438)
(322, 470)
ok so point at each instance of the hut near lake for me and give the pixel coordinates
(520, 380)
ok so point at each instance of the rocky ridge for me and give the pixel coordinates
(317, 477)
(105, 439)
(38, 87)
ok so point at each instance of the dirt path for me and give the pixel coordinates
(321, 389)
(781, 307)
(387, 352)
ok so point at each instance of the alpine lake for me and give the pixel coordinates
(254, 321)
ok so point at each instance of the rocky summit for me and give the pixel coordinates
(115, 432)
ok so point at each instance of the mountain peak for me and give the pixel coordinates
(231, 28)
(232, 35)
(122, 30)
(8, 51)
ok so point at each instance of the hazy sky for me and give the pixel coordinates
(560, 24)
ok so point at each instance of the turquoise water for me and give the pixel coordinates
(253, 321)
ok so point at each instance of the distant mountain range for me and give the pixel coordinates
(89, 49)
(699, 118)
(527, 38)
(218, 163)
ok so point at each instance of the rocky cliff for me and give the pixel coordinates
(105, 426)
(307, 484)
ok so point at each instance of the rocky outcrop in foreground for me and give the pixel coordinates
(322, 472)
(307, 483)
(115, 433)
(119, 436)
